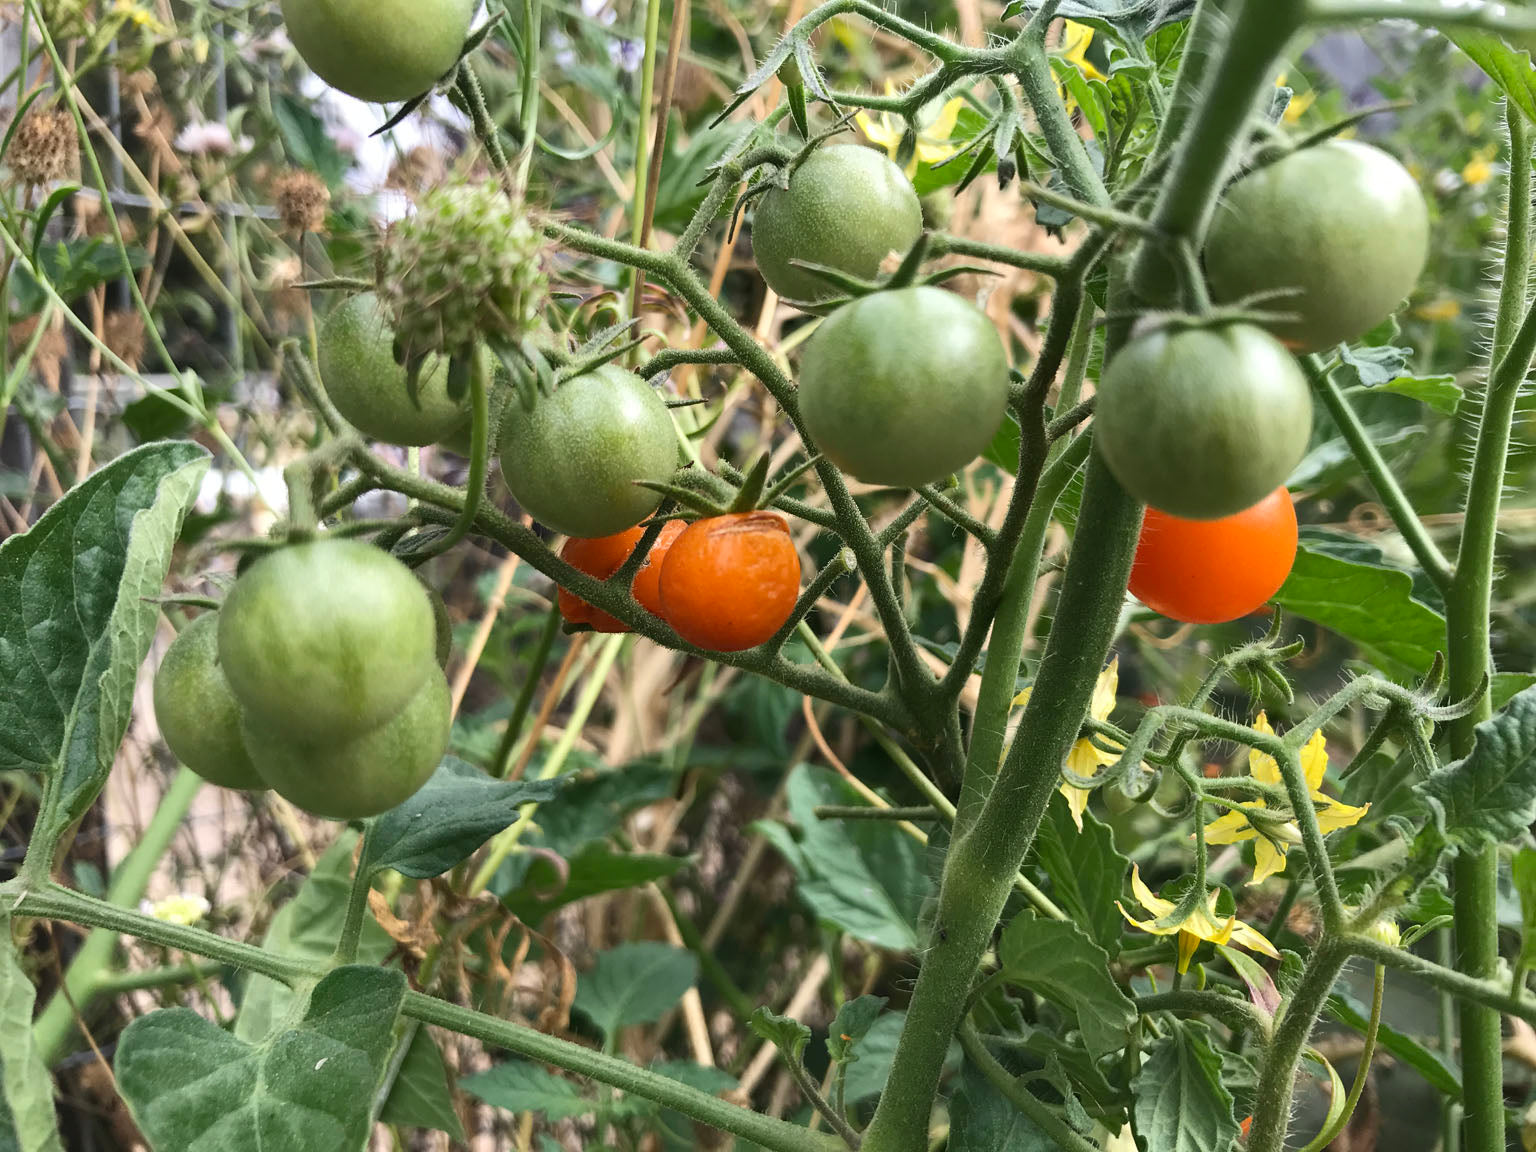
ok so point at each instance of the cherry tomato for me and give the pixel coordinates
(647, 585)
(730, 582)
(380, 50)
(1212, 571)
(198, 714)
(601, 558)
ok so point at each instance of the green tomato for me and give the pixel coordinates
(847, 207)
(904, 387)
(1203, 422)
(326, 640)
(198, 714)
(368, 387)
(1341, 228)
(363, 776)
(573, 462)
(379, 50)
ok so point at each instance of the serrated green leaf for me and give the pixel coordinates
(1370, 605)
(519, 1086)
(28, 1122)
(851, 1024)
(981, 1119)
(1491, 794)
(1509, 68)
(1057, 960)
(787, 1035)
(634, 984)
(193, 1087)
(1440, 393)
(1087, 873)
(80, 617)
(458, 810)
(1181, 1104)
(420, 1096)
(307, 928)
(597, 868)
(867, 1075)
(866, 877)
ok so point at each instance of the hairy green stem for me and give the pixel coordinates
(1470, 659)
(1362, 1071)
(1277, 1073)
(357, 902)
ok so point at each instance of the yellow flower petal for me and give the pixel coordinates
(1147, 898)
(1314, 761)
(1298, 106)
(1233, 828)
(1151, 926)
(1333, 815)
(1075, 42)
(1189, 943)
(1105, 690)
(1268, 859)
(1077, 802)
(1253, 940)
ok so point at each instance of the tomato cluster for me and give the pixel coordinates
(319, 678)
(725, 583)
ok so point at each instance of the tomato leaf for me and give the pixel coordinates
(596, 869)
(420, 1096)
(1087, 873)
(634, 984)
(1181, 1103)
(867, 1076)
(1371, 605)
(1428, 1064)
(851, 1024)
(1441, 393)
(310, 1088)
(79, 587)
(981, 1119)
(789, 1036)
(1057, 960)
(1491, 793)
(519, 1086)
(1510, 69)
(27, 1119)
(457, 811)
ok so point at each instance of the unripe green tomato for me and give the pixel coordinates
(1341, 228)
(197, 713)
(326, 640)
(367, 774)
(379, 50)
(368, 387)
(1203, 422)
(904, 387)
(847, 207)
(573, 462)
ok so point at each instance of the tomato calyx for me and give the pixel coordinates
(753, 494)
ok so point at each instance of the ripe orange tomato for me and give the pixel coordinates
(1212, 571)
(602, 557)
(730, 582)
(599, 557)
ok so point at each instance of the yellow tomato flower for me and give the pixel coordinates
(1086, 757)
(1075, 42)
(933, 138)
(1479, 169)
(1272, 843)
(1201, 924)
(1442, 309)
(184, 909)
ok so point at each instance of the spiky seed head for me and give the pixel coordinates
(467, 265)
(45, 146)
(301, 199)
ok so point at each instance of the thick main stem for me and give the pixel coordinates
(1277, 1076)
(1470, 657)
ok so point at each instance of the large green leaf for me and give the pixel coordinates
(27, 1119)
(597, 868)
(1510, 68)
(519, 1086)
(193, 1087)
(457, 811)
(1181, 1104)
(981, 1119)
(867, 876)
(877, 1050)
(634, 984)
(1087, 873)
(78, 590)
(1491, 794)
(307, 928)
(1056, 960)
(1371, 605)
(420, 1096)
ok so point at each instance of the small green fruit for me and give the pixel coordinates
(379, 50)
(197, 713)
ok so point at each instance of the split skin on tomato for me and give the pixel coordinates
(905, 387)
(1340, 229)
(601, 558)
(847, 207)
(1212, 571)
(368, 387)
(379, 50)
(729, 583)
(326, 640)
(197, 713)
(367, 774)
(1202, 422)
(575, 460)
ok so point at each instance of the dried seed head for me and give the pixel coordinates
(302, 200)
(45, 147)
(467, 265)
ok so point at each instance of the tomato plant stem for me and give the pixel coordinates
(1470, 660)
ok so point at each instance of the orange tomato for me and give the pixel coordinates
(647, 585)
(1212, 571)
(599, 557)
(730, 582)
